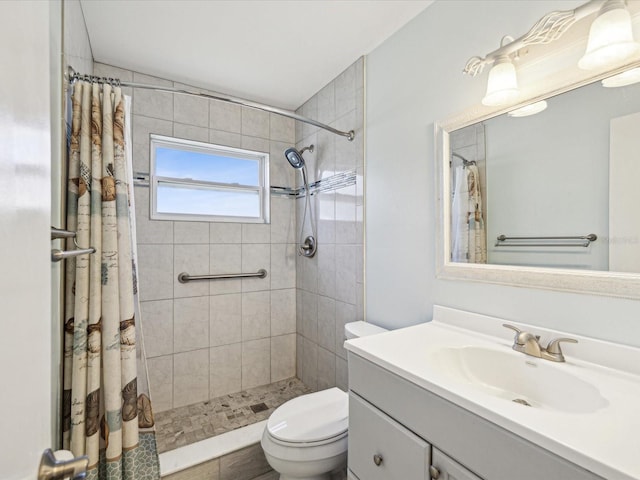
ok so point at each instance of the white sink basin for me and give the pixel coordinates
(513, 376)
(584, 410)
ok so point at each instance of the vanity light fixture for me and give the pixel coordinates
(502, 85)
(530, 109)
(610, 40)
(610, 37)
(623, 79)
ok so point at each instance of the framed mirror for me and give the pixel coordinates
(547, 200)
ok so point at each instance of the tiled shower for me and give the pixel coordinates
(208, 339)
(330, 286)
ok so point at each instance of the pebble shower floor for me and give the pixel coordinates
(192, 423)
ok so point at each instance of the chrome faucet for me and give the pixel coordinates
(529, 344)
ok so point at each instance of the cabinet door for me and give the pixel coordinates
(382, 449)
(448, 469)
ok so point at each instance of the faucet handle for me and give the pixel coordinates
(512, 327)
(516, 338)
(554, 345)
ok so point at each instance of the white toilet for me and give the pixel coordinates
(306, 438)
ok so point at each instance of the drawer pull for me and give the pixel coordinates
(434, 472)
(377, 459)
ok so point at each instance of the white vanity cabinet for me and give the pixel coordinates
(411, 428)
(381, 448)
(446, 468)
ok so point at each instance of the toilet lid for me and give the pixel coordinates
(311, 418)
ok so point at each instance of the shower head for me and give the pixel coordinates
(307, 246)
(294, 156)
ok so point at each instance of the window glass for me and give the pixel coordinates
(200, 181)
(192, 200)
(209, 167)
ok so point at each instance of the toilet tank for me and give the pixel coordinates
(361, 329)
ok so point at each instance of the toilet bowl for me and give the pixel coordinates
(306, 437)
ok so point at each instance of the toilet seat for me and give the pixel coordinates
(311, 420)
(319, 443)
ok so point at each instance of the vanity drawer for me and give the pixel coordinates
(382, 449)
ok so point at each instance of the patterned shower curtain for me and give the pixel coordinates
(468, 237)
(103, 415)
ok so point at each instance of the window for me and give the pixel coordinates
(201, 181)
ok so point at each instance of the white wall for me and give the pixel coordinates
(413, 80)
(25, 136)
(57, 219)
(624, 195)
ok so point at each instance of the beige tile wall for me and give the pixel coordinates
(206, 339)
(77, 48)
(330, 286)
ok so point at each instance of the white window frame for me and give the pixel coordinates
(262, 189)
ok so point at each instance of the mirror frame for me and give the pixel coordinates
(597, 282)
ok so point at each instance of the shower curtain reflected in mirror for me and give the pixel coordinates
(468, 236)
(106, 410)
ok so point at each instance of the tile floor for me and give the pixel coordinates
(185, 425)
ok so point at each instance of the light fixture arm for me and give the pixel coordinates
(548, 29)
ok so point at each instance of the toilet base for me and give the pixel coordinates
(305, 463)
(311, 470)
(325, 476)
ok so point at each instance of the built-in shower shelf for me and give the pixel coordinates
(335, 182)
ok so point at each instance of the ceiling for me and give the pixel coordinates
(279, 52)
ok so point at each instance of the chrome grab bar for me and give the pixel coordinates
(518, 241)
(185, 277)
(57, 254)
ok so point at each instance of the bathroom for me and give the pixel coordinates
(375, 261)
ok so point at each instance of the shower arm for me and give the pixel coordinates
(74, 76)
(465, 162)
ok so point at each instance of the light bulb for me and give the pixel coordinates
(502, 84)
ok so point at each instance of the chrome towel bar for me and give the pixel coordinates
(185, 277)
(57, 254)
(60, 233)
(560, 241)
(53, 469)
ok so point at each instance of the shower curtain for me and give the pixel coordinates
(103, 415)
(468, 238)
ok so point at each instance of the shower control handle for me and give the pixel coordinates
(377, 459)
(309, 247)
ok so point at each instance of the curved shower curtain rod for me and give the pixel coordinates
(73, 76)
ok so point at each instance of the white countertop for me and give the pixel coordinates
(604, 441)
